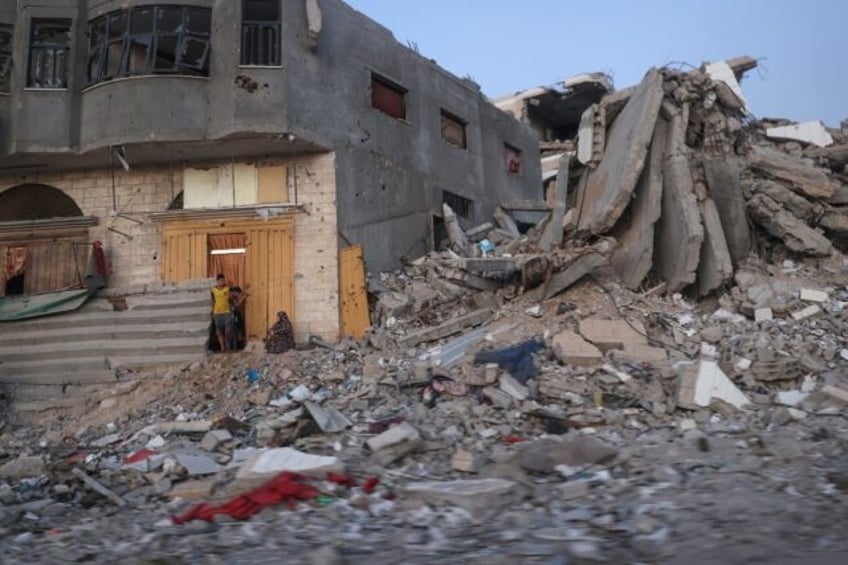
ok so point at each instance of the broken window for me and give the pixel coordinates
(150, 40)
(5, 57)
(453, 129)
(260, 33)
(50, 42)
(388, 97)
(459, 204)
(512, 157)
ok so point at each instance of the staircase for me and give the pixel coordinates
(58, 361)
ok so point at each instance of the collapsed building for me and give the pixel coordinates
(278, 142)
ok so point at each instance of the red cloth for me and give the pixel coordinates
(286, 487)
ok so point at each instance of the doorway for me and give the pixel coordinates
(228, 257)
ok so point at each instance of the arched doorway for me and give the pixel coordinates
(43, 240)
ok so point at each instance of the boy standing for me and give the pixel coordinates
(222, 314)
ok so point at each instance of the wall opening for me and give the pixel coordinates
(459, 204)
(512, 157)
(36, 202)
(388, 97)
(453, 129)
(260, 33)
(49, 44)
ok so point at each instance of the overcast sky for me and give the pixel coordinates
(507, 46)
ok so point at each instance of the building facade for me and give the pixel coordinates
(264, 134)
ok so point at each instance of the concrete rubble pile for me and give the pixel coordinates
(505, 406)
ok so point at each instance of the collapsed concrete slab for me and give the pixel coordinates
(610, 186)
(571, 349)
(613, 334)
(723, 73)
(804, 178)
(811, 133)
(633, 256)
(679, 233)
(715, 266)
(777, 221)
(722, 177)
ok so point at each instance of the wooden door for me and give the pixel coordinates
(354, 295)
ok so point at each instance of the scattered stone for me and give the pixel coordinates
(22, 467)
(478, 496)
(214, 439)
(513, 388)
(763, 315)
(813, 295)
(544, 455)
(464, 461)
(571, 349)
(192, 490)
(807, 312)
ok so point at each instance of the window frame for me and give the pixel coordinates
(453, 119)
(275, 59)
(6, 59)
(390, 86)
(37, 47)
(462, 206)
(513, 166)
(100, 44)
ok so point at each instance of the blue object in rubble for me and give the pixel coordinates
(252, 375)
(517, 359)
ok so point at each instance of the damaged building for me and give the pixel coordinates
(277, 141)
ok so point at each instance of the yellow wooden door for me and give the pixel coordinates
(354, 295)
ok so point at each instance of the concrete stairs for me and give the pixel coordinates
(61, 360)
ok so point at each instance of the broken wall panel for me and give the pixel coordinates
(777, 221)
(804, 178)
(722, 177)
(633, 256)
(715, 265)
(610, 186)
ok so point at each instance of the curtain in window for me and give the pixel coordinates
(231, 265)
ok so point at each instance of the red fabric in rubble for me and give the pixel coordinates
(286, 487)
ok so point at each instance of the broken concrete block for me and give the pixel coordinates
(328, 418)
(478, 496)
(715, 266)
(458, 239)
(609, 188)
(393, 305)
(571, 349)
(639, 353)
(193, 427)
(464, 461)
(512, 387)
(723, 178)
(679, 232)
(399, 433)
(780, 223)
(702, 383)
(196, 463)
(581, 267)
(23, 467)
(448, 328)
(720, 71)
(193, 490)
(803, 177)
(505, 222)
(612, 334)
(763, 315)
(633, 256)
(214, 439)
(544, 455)
(791, 397)
(811, 133)
(813, 295)
(836, 393)
(498, 397)
(266, 464)
(807, 312)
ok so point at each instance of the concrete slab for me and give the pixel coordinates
(560, 281)
(679, 232)
(273, 461)
(805, 179)
(450, 327)
(612, 334)
(811, 133)
(609, 187)
(571, 349)
(633, 256)
(715, 266)
(780, 223)
(701, 383)
(476, 496)
(639, 353)
(722, 72)
(722, 177)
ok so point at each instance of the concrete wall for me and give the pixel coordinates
(141, 192)
(389, 173)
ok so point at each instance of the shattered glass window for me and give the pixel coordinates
(149, 40)
(50, 41)
(5, 57)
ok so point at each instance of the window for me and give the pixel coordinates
(260, 33)
(149, 40)
(5, 57)
(453, 129)
(388, 97)
(459, 204)
(50, 42)
(512, 157)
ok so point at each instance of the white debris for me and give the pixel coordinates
(813, 132)
(722, 72)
